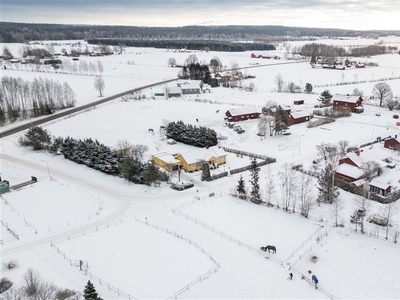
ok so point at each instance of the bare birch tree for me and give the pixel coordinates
(269, 185)
(279, 82)
(306, 199)
(343, 145)
(288, 187)
(99, 85)
(262, 125)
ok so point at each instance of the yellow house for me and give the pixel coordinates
(166, 161)
(193, 160)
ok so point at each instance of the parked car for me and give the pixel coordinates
(237, 127)
(240, 131)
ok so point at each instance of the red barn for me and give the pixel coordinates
(352, 102)
(242, 114)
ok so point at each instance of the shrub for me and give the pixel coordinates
(5, 284)
(11, 264)
(396, 116)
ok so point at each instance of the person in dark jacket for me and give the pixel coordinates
(315, 280)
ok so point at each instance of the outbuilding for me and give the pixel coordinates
(392, 143)
(242, 114)
(297, 117)
(379, 187)
(354, 103)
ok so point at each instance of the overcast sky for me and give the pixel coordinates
(345, 14)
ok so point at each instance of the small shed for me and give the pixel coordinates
(297, 117)
(298, 102)
(4, 186)
(392, 143)
(379, 187)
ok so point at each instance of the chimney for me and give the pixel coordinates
(358, 152)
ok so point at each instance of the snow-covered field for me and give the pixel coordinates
(154, 242)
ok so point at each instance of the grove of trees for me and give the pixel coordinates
(191, 135)
(24, 99)
(97, 156)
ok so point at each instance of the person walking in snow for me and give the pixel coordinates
(290, 275)
(315, 280)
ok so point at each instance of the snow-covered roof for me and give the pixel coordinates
(189, 86)
(299, 114)
(345, 98)
(188, 82)
(218, 151)
(174, 90)
(243, 111)
(350, 171)
(379, 184)
(205, 154)
(355, 159)
(166, 157)
(196, 156)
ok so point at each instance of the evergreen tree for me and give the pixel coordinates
(240, 188)
(151, 173)
(131, 169)
(36, 137)
(327, 191)
(205, 172)
(313, 60)
(55, 146)
(281, 120)
(255, 196)
(325, 97)
(89, 293)
(309, 88)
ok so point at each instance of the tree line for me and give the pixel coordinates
(22, 32)
(24, 99)
(330, 52)
(189, 44)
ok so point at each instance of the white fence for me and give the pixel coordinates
(317, 235)
(180, 236)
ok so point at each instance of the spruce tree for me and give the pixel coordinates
(205, 172)
(325, 97)
(240, 188)
(89, 293)
(36, 137)
(281, 120)
(255, 196)
(327, 191)
(151, 173)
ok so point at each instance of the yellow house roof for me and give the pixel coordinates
(167, 158)
(203, 154)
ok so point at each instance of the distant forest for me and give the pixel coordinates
(226, 38)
